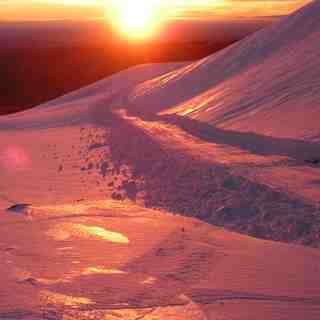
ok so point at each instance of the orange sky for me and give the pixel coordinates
(90, 9)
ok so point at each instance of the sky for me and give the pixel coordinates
(26, 10)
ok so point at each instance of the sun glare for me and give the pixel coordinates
(136, 19)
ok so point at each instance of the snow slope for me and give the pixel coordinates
(68, 253)
(268, 83)
(76, 106)
(111, 260)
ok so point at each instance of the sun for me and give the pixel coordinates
(137, 19)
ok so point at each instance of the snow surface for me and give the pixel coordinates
(160, 136)
(71, 262)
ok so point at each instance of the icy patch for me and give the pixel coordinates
(98, 232)
(65, 249)
(99, 270)
(64, 231)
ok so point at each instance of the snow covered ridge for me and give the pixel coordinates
(268, 83)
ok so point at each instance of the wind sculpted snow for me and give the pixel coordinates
(172, 267)
(81, 177)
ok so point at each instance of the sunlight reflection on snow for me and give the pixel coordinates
(99, 270)
(93, 231)
(64, 231)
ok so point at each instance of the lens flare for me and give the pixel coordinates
(14, 158)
